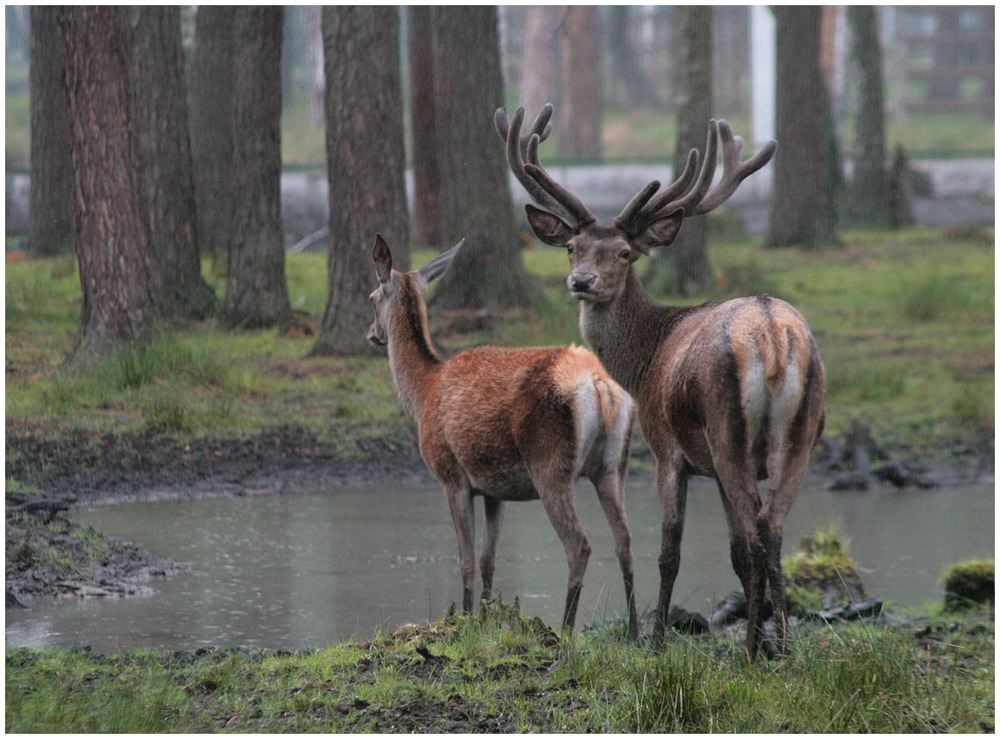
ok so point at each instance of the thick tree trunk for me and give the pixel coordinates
(212, 129)
(366, 161)
(581, 113)
(475, 193)
(426, 175)
(51, 229)
(803, 211)
(868, 202)
(112, 245)
(160, 132)
(256, 292)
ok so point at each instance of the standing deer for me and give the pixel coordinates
(509, 425)
(733, 390)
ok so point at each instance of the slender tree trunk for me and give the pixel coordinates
(160, 132)
(112, 244)
(426, 176)
(212, 129)
(256, 292)
(475, 193)
(541, 72)
(688, 256)
(581, 114)
(51, 229)
(632, 85)
(868, 202)
(803, 210)
(366, 161)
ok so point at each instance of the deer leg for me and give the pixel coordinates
(462, 516)
(671, 485)
(491, 535)
(770, 522)
(557, 500)
(611, 493)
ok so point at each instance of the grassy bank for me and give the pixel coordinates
(504, 673)
(904, 323)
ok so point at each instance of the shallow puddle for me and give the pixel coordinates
(300, 571)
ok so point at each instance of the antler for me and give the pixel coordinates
(644, 208)
(522, 158)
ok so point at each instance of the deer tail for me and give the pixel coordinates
(609, 401)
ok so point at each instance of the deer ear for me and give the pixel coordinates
(382, 258)
(661, 232)
(438, 265)
(551, 229)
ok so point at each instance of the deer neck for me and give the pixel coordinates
(627, 332)
(413, 361)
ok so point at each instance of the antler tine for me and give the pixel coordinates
(536, 181)
(701, 185)
(733, 173)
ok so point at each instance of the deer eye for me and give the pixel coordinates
(570, 248)
(625, 254)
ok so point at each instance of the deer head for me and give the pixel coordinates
(600, 256)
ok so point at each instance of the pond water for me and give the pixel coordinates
(302, 570)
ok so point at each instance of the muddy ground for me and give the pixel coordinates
(48, 555)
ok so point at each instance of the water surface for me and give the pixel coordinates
(303, 570)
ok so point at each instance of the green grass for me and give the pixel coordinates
(506, 673)
(904, 322)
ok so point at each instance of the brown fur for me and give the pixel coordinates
(731, 390)
(508, 425)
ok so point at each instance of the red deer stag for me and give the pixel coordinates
(733, 390)
(509, 425)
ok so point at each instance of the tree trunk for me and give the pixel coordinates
(160, 132)
(632, 87)
(581, 114)
(51, 229)
(805, 167)
(256, 292)
(112, 245)
(212, 129)
(868, 202)
(475, 192)
(364, 113)
(426, 176)
(541, 71)
(691, 271)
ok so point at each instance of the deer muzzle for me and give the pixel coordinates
(580, 283)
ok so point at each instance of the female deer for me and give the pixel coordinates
(734, 390)
(507, 425)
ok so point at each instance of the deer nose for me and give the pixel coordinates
(581, 282)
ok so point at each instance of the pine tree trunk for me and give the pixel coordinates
(426, 176)
(868, 203)
(256, 292)
(211, 129)
(160, 132)
(112, 245)
(581, 113)
(475, 193)
(803, 211)
(366, 161)
(541, 73)
(51, 229)
(689, 269)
